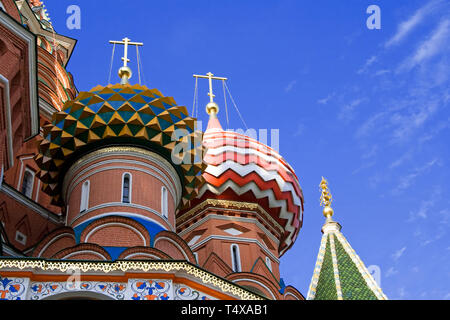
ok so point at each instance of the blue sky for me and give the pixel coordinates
(367, 109)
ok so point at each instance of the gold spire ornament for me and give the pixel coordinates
(211, 108)
(325, 199)
(125, 71)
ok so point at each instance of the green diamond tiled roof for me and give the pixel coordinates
(339, 273)
(326, 286)
(353, 285)
(117, 114)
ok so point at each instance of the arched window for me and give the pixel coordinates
(84, 204)
(164, 203)
(126, 188)
(27, 183)
(268, 263)
(235, 258)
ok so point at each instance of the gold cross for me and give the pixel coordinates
(211, 77)
(126, 42)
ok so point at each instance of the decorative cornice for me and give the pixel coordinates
(132, 266)
(46, 109)
(226, 218)
(236, 239)
(36, 27)
(228, 204)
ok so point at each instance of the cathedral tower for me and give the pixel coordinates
(121, 160)
(249, 211)
(339, 274)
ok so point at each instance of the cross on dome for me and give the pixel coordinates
(125, 72)
(211, 107)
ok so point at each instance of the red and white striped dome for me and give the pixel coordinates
(241, 168)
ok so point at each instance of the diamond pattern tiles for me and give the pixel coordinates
(340, 274)
(121, 111)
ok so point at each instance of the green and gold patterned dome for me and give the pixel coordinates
(121, 114)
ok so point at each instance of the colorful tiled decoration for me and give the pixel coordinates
(41, 290)
(12, 288)
(183, 292)
(120, 113)
(151, 289)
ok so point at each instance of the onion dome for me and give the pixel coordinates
(244, 169)
(126, 115)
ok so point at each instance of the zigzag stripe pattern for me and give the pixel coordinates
(242, 164)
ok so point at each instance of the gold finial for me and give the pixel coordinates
(326, 199)
(211, 108)
(125, 72)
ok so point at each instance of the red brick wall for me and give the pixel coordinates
(56, 246)
(14, 176)
(3, 151)
(249, 251)
(11, 9)
(116, 236)
(105, 181)
(14, 67)
(20, 217)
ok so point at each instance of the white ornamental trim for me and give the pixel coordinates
(133, 266)
(260, 194)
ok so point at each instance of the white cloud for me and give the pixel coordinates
(326, 99)
(407, 123)
(408, 180)
(407, 26)
(391, 271)
(290, 85)
(366, 128)
(366, 165)
(381, 72)
(300, 130)
(376, 179)
(397, 255)
(347, 112)
(435, 131)
(445, 216)
(430, 47)
(366, 65)
(397, 163)
(425, 206)
(438, 236)
(371, 152)
(401, 292)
